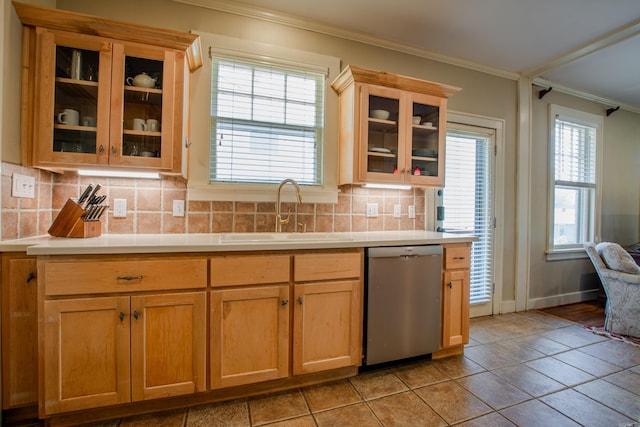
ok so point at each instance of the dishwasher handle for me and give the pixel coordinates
(403, 251)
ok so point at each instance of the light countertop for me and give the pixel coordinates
(223, 242)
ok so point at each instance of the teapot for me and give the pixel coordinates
(142, 80)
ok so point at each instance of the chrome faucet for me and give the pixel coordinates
(279, 220)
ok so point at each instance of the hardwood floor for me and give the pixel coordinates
(586, 313)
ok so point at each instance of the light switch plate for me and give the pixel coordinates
(372, 210)
(412, 211)
(178, 208)
(119, 208)
(23, 186)
(397, 211)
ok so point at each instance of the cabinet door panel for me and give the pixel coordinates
(134, 141)
(327, 325)
(250, 335)
(86, 353)
(19, 332)
(74, 72)
(455, 309)
(168, 345)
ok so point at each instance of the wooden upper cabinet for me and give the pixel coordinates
(93, 96)
(392, 128)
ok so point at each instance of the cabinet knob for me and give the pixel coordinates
(299, 300)
(450, 285)
(136, 314)
(30, 277)
(403, 171)
(187, 144)
(121, 316)
(284, 302)
(101, 148)
(113, 149)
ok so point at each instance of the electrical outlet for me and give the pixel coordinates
(412, 211)
(397, 211)
(119, 208)
(372, 210)
(178, 208)
(23, 186)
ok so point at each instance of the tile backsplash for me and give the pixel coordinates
(150, 208)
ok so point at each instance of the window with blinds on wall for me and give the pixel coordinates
(267, 123)
(574, 182)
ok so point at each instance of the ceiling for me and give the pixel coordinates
(578, 46)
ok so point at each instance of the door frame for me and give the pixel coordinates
(498, 126)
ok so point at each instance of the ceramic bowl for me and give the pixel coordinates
(380, 114)
(416, 120)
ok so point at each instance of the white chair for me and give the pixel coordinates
(620, 277)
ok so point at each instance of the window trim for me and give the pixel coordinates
(587, 119)
(198, 185)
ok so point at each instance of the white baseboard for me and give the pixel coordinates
(508, 307)
(555, 300)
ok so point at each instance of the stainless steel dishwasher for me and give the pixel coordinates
(403, 293)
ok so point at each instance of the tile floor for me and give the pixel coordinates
(519, 369)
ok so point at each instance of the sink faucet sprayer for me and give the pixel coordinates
(279, 220)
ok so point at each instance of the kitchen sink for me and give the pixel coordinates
(282, 237)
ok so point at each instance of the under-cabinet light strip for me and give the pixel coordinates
(119, 174)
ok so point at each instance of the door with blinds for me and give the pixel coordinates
(468, 204)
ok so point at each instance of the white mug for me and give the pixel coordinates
(89, 121)
(153, 125)
(69, 117)
(139, 124)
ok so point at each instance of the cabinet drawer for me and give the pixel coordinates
(95, 277)
(308, 267)
(456, 257)
(249, 270)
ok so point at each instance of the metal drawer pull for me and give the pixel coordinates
(459, 257)
(121, 316)
(284, 302)
(450, 285)
(30, 277)
(299, 300)
(129, 278)
(136, 314)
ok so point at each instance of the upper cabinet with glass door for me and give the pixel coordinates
(392, 128)
(116, 100)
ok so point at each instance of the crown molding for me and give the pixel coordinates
(294, 21)
(584, 95)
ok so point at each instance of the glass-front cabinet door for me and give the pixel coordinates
(402, 137)
(381, 134)
(73, 86)
(142, 103)
(425, 158)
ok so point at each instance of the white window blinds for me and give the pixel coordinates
(468, 200)
(575, 154)
(267, 123)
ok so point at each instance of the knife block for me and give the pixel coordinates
(69, 223)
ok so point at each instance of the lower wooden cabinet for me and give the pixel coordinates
(327, 326)
(249, 335)
(263, 329)
(109, 350)
(19, 330)
(455, 295)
